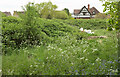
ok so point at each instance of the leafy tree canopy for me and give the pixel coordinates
(67, 11)
(46, 9)
(112, 8)
(61, 15)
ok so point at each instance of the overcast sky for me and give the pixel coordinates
(15, 5)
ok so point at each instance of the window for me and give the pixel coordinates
(87, 14)
(83, 13)
(93, 12)
(84, 9)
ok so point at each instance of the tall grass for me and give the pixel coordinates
(67, 56)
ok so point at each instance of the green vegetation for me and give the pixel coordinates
(60, 15)
(102, 16)
(67, 11)
(67, 56)
(62, 48)
(87, 24)
(46, 9)
(113, 8)
(36, 46)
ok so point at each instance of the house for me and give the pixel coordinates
(7, 13)
(16, 13)
(85, 13)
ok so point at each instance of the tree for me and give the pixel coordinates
(112, 8)
(30, 23)
(67, 11)
(46, 9)
(60, 15)
(101, 16)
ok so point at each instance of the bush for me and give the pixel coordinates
(32, 30)
(11, 19)
(101, 16)
(17, 34)
(86, 23)
(61, 15)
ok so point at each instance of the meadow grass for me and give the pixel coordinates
(66, 56)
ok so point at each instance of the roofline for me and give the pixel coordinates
(95, 9)
(86, 8)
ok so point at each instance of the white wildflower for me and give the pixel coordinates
(72, 63)
(51, 56)
(88, 31)
(30, 73)
(98, 59)
(110, 69)
(81, 29)
(46, 57)
(94, 50)
(82, 58)
(84, 51)
(30, 65)
(60, 49)
(113, 28)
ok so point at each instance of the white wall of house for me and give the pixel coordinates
(84, 13)
(77, 16)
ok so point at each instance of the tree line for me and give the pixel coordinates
(48, 11)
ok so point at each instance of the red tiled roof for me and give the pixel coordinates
(77, 11)
(93, 9)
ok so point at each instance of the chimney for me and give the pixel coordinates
(88, 6)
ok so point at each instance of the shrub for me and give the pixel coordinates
(17, 33)
(86, 23)
(2, 14)
(11, 19)
(61, 15)
(101, 16)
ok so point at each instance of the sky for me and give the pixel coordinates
(16, 5)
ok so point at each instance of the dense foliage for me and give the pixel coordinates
(37, 46)
(46, 9)
(18, 32)
(112, 8)
(67, 56)
(102, 16)
(87, 24)
(60, 15)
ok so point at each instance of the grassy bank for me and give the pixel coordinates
(66, 56)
